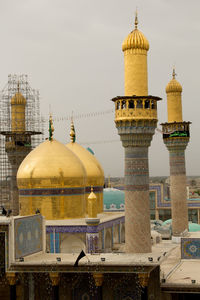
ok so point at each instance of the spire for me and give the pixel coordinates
(136, 19)
(51, 129)
(92, 204)
(72, 132)
(174, 74)
(92, 194)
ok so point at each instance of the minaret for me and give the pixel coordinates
(92, 221)
(136, 120)
(176, 135)
(17, 142)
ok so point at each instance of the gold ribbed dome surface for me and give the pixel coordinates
(173, 87)
(50, 165)
(18, 98)
(94, 171)
(135, 40)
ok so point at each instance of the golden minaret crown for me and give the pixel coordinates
(173, 86)
(136, 39)
(174, 102)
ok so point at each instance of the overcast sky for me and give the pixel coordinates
(71, 51)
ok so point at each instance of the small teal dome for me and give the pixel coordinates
(193, 227)
(113, 199)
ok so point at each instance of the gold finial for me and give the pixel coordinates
(136, 19)
(92, 204)
(174, 74)
(72, 132)
(51, 128)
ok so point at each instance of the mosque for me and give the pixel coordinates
(61, 209)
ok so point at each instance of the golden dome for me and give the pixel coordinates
(51, 165)
(173, 86)
(18, 98)
(135, 40)
(94, 171)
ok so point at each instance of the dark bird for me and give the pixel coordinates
(81, 255)
(4, 212)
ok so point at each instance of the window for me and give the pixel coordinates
(147, 104)
(131, 104)
(123, 104)
(152, 104)
(139, 104)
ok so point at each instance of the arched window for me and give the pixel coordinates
(147, 104)
(139, 104)
(123, 104)
(118, 105)
(131, 104)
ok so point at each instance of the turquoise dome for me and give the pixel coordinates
(193, 227)
(113, 199)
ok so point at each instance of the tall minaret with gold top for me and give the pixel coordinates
(136, 120)
(17, 141)
(176, 135)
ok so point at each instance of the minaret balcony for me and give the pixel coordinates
(176, 130)
(135, 108)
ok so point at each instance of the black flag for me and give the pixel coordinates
(81, 255)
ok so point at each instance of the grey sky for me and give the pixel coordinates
(71, 51)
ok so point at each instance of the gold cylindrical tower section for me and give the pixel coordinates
(92, 205)
(135, 48)
(18, 106)
(174, 102)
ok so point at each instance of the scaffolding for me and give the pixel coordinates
(16, 143)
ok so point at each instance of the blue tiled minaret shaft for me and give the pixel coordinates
(136, 120)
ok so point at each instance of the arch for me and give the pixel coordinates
(72, 244)
(116, 234)
(108, 240)
(122, 234)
